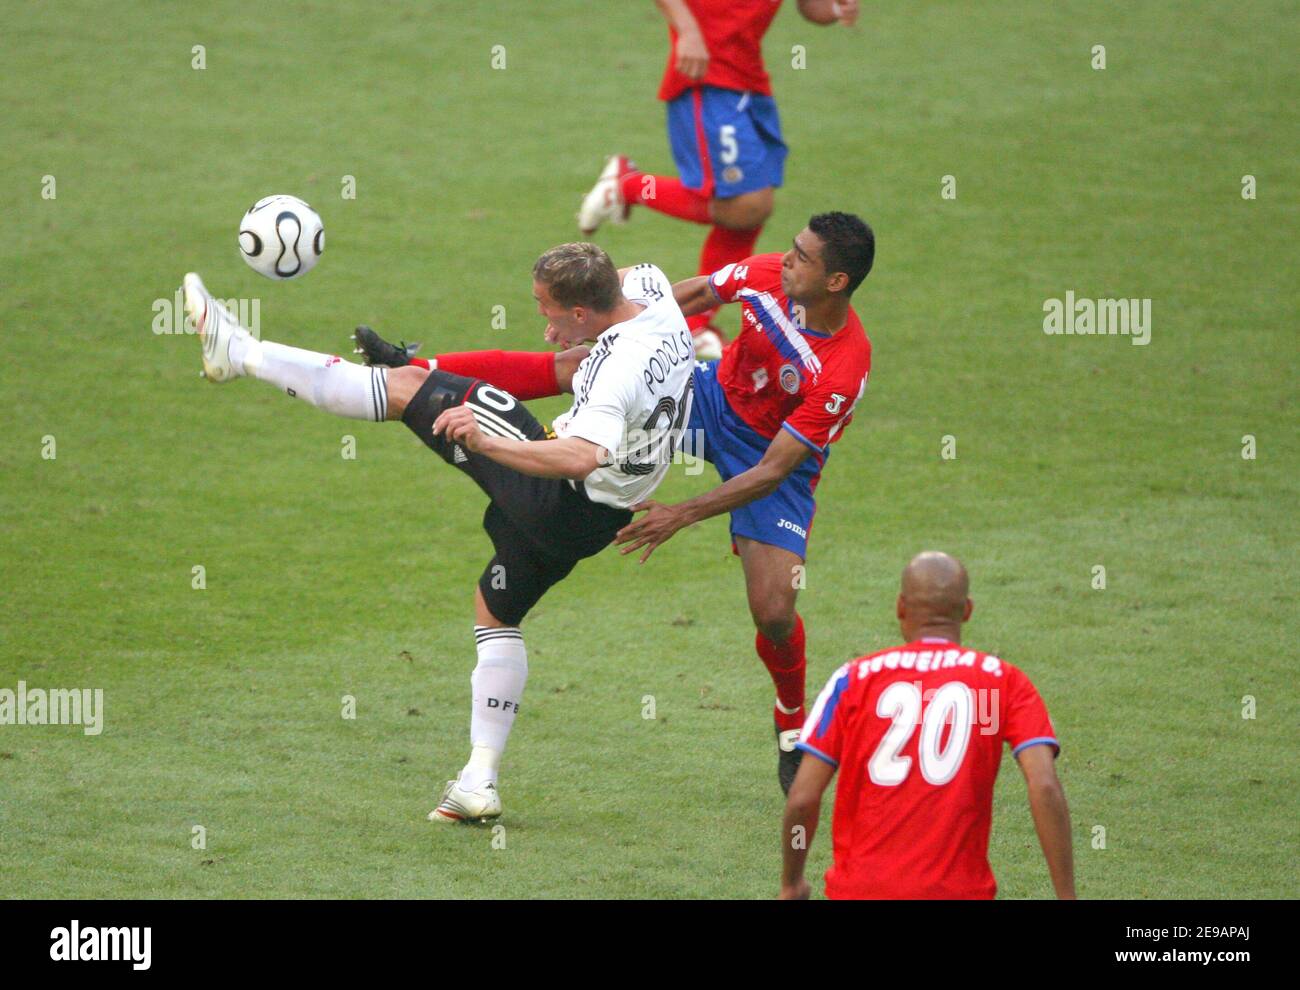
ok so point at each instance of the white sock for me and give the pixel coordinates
(498, 684)
(325, 380)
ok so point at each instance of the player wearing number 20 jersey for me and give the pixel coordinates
(916, 733)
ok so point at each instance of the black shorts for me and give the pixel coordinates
(540, 527)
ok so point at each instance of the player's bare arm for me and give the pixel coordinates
(799, 825)
(694, 296)
(563, 457)
(829, 11)
(1051, 816)
(566, 363)
(660, 522)
(692, 52)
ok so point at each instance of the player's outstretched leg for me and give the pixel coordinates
(524, 374)
(325, 380)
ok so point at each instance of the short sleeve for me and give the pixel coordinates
(823, 732)
(602, 418)
(1025, 719)
(646, 283)
(754, 272)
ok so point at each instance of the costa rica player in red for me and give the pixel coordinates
(724, 131)
(768, 412)
(916, 733)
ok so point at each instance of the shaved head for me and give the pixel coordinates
(935, 593)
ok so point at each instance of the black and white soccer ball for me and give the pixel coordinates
(281, 237)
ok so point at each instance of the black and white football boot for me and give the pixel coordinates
(787, 757)
(377, 352)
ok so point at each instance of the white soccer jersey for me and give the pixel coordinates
(632, 394)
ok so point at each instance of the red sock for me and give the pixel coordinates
(787, 665)
(667, 195)
(721, 248)
(524, 374)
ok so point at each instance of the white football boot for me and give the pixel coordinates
(460, 805)
(605, 200)
(216, 328)
(708, 345)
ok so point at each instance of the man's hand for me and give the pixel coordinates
(799, 892)
(658, 524)
(827, 12)
(460, 426)
(692, 55)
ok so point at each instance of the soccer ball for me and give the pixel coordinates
(281, 237)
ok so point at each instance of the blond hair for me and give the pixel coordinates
(579, 274)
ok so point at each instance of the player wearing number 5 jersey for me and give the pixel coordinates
(724, 130)
(916, 733)
(554, 497)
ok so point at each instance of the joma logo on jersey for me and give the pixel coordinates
(792, 527)
(837, 400)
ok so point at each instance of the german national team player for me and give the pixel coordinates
(766, 415)
(554, 497)
(916, 733)
(724, 131)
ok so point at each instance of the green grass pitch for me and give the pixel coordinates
(328, 576)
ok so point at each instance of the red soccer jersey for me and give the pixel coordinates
(779, 376)
(733, 31)
(917, 734)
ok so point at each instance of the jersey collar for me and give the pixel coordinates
(789, 312)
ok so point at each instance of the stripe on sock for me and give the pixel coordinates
(379, 393)
(484, 633)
